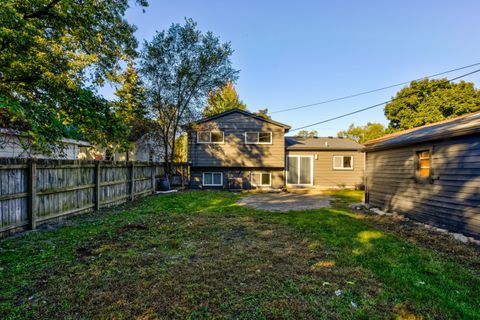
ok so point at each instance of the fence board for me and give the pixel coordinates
(65, 187)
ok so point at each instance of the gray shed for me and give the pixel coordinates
(430, 174)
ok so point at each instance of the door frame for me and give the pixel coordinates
(311, 170)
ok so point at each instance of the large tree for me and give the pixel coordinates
(223, 99)
(428, 101)
(180, 66)
(51, 53)
(364, 133)
(306, 134)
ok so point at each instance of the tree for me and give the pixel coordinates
(180, 67)
(262, 113)
(427, 101)
(364, 133)
(306, 134)
(223, 99)
(51, 53)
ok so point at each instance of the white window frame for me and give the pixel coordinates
(260, 173)
(210, 134)
(342, 167)
(212, 184)
(312, 167)
(258, 137)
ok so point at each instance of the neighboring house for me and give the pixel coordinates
(430, 174)
(14, 144)
(239, 150)
(324, 163)
(145, 148)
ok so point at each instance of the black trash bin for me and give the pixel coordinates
(163, 184)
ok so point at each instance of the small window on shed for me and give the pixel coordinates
(423, 168)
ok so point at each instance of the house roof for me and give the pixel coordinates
(460, 126)
(246, 113)
(321, 144)
(13, 132)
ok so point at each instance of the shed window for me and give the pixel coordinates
(212, 179)
(343, 162)
(261, 179)
(423, 168)
(258, 137)
(210, 137)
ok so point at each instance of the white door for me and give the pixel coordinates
(300, 170)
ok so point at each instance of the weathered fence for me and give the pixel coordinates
(33, 192)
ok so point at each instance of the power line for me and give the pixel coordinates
(375, 105)
(374, 90)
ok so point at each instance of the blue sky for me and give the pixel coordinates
(292, 53)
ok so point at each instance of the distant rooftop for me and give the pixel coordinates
(321, 143)
(463, 125)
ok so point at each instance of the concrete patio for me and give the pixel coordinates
(283, 202)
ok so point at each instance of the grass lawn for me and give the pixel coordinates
(200, 255)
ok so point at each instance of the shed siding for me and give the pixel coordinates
(451, 200)
(324, 176)
(234, 152)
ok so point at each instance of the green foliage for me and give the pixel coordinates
(429, 101)
(262, 113)
(181, 148)
(180, 66)
(223, 99)
(306, 134)
(364, 133)
(50, 53)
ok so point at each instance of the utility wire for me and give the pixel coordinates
(375, 105)
(374, 90)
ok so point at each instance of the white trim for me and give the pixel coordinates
(341, 168)
(311, 170)
(260, 173)
(258, 137)
(212, 184)
(210, 142)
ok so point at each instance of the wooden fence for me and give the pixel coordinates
(33, 192)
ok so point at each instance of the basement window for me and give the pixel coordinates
(261, 179)
(212, 179)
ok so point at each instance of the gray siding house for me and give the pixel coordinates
(240, 150)
(430, 174)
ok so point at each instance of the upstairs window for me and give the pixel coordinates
(258, 137)
(343, 162)
(423, 160)
(210, 137)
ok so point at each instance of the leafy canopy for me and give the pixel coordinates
(223, 99)
(51, 53)
(180, 66)
(306, 134)
(427, 101)
(364, 133)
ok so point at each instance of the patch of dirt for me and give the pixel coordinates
(131, 227)
(442, 243)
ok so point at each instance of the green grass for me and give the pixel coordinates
(200, 255)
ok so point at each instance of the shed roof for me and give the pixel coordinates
(321, 144)
(246, 113)
(460, 126)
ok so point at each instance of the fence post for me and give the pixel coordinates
(97, 186)
(132, 181)
(153, 170)
(32, 193)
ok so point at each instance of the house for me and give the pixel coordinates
(334, 163)
(14, 144)
(240, 150)
(430, 174)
